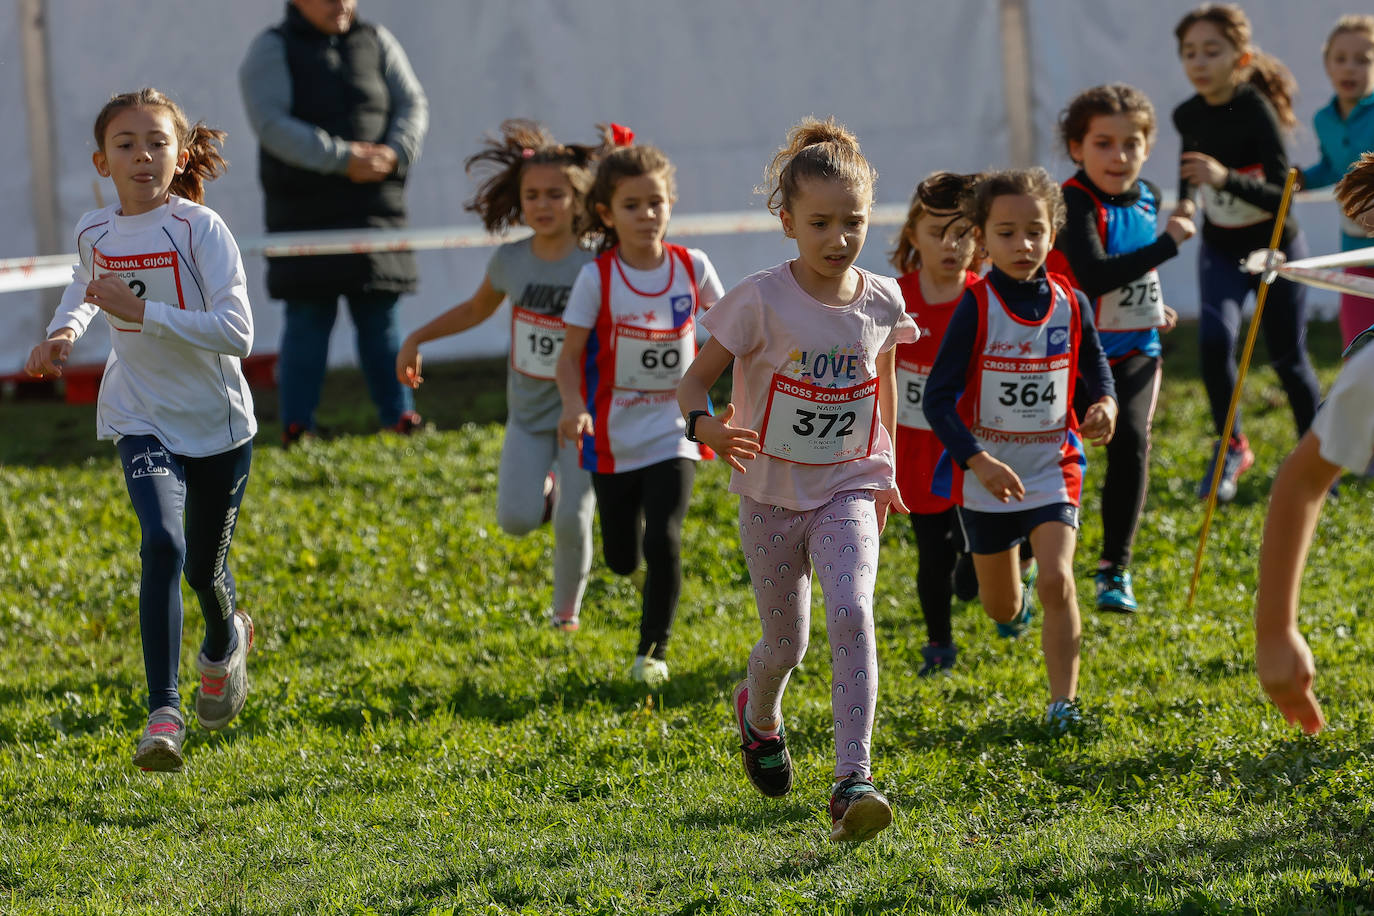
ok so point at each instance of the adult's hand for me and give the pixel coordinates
(370, 162)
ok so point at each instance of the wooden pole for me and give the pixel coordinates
(1220, 458)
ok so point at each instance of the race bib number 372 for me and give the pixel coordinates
(810, 425)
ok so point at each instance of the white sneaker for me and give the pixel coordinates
(159, 747)
(650, 671)
(224, 685)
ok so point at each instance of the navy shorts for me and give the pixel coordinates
(994, 532)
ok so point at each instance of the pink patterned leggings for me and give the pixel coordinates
(782, 546)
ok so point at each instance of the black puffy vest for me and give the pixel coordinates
(337, 85)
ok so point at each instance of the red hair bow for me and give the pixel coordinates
(621, 135)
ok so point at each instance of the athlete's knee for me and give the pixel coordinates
(517, 521)
(163, 545)
(1054, 586)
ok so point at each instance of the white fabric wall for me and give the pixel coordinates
(715, 83)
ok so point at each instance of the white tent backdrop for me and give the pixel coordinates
(715, 83)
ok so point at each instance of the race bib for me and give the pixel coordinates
(651, 360)
(1025, 396)
(1228, 211)
(152, 277)
(1137, 306)
(809, 425)
(911, 390)
(535, 342)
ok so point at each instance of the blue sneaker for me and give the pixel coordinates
(1114, 590)
(938, 658)
(1063, 716)
(1019, 624)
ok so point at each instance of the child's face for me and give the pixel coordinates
(829, 220)
(141, 154)
(1112, 151)
(639, 211)
(944, 241)
(546, 199)
(1210, 61)
(1018, 234)
(1350, 66)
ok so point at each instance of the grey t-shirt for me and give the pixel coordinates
(534, 285)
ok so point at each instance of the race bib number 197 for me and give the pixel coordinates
(535, 342)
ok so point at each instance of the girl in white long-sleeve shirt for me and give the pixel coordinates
(166, 274)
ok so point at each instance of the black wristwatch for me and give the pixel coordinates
(692, 417)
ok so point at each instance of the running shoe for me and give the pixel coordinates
(857, 810)
(410, 422)
(159, 747)
(1238, 459)
(294, 433)
(767, 763)
(649, 670)
(1114, 591)
(224, 684)
(937, 657)
(564, 624)
(1019, 624)
(1063, 716)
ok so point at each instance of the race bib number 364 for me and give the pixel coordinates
(810, 425)
(1028, 399)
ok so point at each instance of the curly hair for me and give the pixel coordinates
(1113, 99)
(1035, 182)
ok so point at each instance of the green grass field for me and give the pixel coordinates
(418, 742)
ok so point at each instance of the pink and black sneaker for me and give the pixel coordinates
(766, 760)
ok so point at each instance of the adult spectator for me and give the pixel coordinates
(340, 118)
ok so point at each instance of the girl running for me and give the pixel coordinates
(934, 255)
(812, 340)
(166, 273)
(1111, 248)
(631, 333)
(1345, 129)
(542, 184)
(1000, 398)
(1233, 153)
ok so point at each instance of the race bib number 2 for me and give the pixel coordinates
(648, 359)
(809, 425)
(152, 277)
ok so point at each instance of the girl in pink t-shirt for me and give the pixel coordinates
(813, 411)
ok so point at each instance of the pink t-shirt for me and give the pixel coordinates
(806, 378)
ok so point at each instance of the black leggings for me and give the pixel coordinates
(1128, 454)
(939, 541)
(648, 504)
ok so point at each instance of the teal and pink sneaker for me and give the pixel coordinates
(766, 760)
(857, 810)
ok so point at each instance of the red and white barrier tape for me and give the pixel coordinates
(46, 271)
(1324, 271)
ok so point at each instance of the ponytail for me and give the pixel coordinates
(205, 162)
(524, 142)
(816, 149)
(1275, 82)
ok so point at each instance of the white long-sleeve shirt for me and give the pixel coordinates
(177, 375)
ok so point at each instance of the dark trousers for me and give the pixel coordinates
(187, 509)
(1128, 454)
(939, 541)
(1223, 287)
(645, 508)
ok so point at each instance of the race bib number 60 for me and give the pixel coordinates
(647, 359)
(809, 425)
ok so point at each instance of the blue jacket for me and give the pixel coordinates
(1342, 142)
